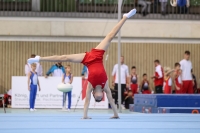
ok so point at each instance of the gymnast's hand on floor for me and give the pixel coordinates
(114, 117)
(86, 117)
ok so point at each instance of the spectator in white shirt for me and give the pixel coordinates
(38, 67)
(57, 70)
(158, 77)
(124, 79)
(186, 75)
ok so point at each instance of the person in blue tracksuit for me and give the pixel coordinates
(67, 78)
(84, 72)
(57, 70)
(32, 86)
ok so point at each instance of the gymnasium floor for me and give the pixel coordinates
(57, 121)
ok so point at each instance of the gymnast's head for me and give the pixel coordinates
(187, 55)
(98, 93)
(33, 66)
(156, 62)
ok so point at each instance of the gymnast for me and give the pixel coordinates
(98, 81)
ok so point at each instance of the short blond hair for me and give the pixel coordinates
(34, 64)
(68, 66)
(167, 69)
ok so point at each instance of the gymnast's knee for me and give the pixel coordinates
(110, 36)
(64, 58)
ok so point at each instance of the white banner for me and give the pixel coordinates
(49, 96)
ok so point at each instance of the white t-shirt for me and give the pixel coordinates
(57, 73)
(124, 73)
(186, 67)
(158, 70)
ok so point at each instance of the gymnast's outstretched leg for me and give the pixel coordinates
(105, 43)
(77, 58)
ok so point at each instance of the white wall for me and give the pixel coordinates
(95, 27)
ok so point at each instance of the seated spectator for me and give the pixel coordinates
(145, 5)
(182, 4)
(57, 70)
(163, 6)
(129, 99)
(145, 87)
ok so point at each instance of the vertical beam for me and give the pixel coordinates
(119, 56)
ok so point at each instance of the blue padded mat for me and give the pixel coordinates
(170, 100)
(144, 109)
(69, 122)
(178, 110)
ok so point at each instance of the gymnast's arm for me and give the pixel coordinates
(63, 80)
(110, 99)
(87, 102)
(181, 76)
(29, 76)
(39, 84)
(169, 72)
(71, 80)
(174, 80)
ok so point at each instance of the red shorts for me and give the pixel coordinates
(187, 87)
(146, 92)
(134, 88)
(167, 90)
(94, 62)
(179, 91)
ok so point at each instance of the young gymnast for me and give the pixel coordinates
(167, 80)
(32, 87)
(134, 80)
(98, 81)
(177, 78)
(67, 78)
(145, 86)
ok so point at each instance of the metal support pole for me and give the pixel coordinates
(119, 56)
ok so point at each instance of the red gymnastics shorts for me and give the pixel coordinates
(94, 62)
